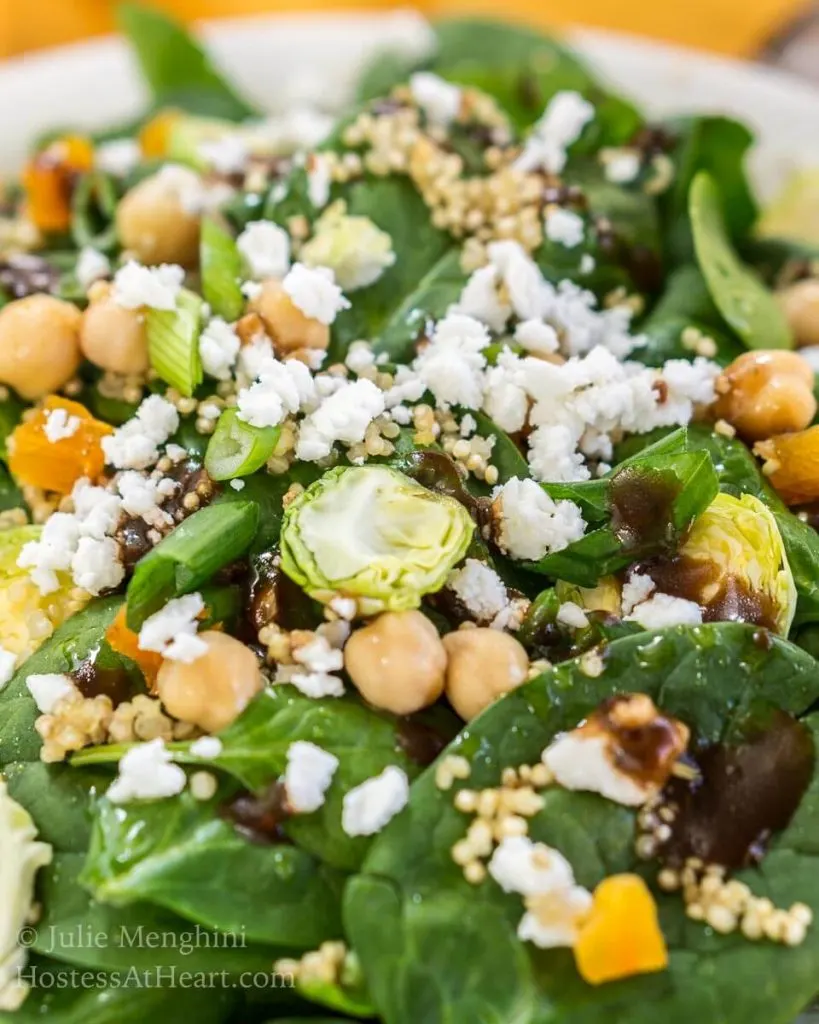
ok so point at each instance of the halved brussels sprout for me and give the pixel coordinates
(605, 597)
(373, 534)
(749, 571)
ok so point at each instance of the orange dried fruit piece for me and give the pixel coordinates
(155, 136)
(126, 642)
(792, 465)
(56, 465)
(48, 180)
(621, 935)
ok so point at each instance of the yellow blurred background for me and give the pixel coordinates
(739, 27)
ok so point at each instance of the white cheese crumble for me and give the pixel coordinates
(318, 656)
(48, 689)
(562, 124)
(480, 300)
(91, 266)
(313, 290)
(141, 496)
(237, 485)
(572, 615)
(555, 918)
(343, 416)
(266, 249)
(146, 772)
(368, 807)
(360, 357)
(537, 337)
(314, 685)
(620, 166)
(206, 747)
(135, 445)
(308, 775)
(226, 155)
(528, 868)
(439, 99)
(171, 631)
(319, 180)
(8, 661)
(532, 525)
(136, 286)
(637, 588)
(95, 565)
(663, 610)
(219, 346)
(564, 227)
(582, 762)
(282, 388)
(479, 588)
(117, 156)
(59, 425)
(451, 366)
(354, 248)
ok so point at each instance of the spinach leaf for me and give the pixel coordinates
(177, 70)
(78, 637)
(400, 911)
(507, 458)
(138, 936)
(10, 494)
(388, 69)
(11, 412)
(745, 303)
(182, 855)
(717, 145)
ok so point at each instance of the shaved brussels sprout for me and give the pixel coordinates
(605, 597)
(740, 539)
(375, 535)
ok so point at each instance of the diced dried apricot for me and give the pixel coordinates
(48, 180)
(56, 465)
(792, 465)
(155, 136)
(126, 642)
(621, 935)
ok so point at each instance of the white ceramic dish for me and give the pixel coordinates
(278, 58)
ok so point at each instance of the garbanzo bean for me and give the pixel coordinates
(397, 662)
(113, 337)
(213, 690)
(289, 328)
(483, 664)
(800, 303)
(39, 345)
(763, 393)
(154, 223)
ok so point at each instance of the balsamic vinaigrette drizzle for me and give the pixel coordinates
(642, 506)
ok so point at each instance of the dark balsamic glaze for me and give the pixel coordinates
(259, 817)
(419, 740)
(642, 503)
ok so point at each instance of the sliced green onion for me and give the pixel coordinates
(238, 449)
(221, 271)
(189, 557)
(173, 342)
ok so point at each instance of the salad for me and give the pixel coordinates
(409, 569)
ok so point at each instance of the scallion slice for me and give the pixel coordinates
(189, 557)
(173, 342)
(238, 449)
(221, 271)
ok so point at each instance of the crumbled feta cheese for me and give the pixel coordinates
(318, 656)
(313, 290)
(206, 747)
(587, 263)
(218, 348)
(354, 248)
(345, 607)
(176, 453)
(118, 156)
(319, 180)
(136, 286)
(343, 416)
(169, 631)
(146, 772)
(562, 123)
(467, 426)
(135, 445)
(439, 99)
(141, 497)
(663, 610)
(91, 266)
(531, 869)
(368, 807)
(582, 762)
(96, 566)
(59, 425)
(189, 189)
(553, 455)
(251, 290)
(506, 401)
(532, 525)
(556, 917)
(48, 689)
(537, 337)
(8, 661)
(237, 485)
(360, 357)
(312, 684)
(528, 290)
(226, 155)
(282, 388)
(620, 166)
(564, 227)
(266, 249)
(637, 588)
(451, 366)
(480, 300)
(308, 775)
(571, 614)
(52, 553)
(479, 588)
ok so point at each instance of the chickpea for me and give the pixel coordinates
(800, 304)
(764, 393)
(213, 690)
(113, 337)
(397, 662)
(154, 223)
(289, 328)
(39, 345)
(483, 665)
